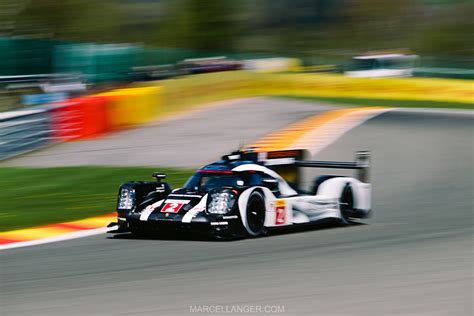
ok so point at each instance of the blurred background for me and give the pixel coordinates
(309, 29)
(109, 37)
(89, 44)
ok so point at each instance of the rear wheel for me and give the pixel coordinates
(255, 215)
(346, 204)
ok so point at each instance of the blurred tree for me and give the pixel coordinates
(346, 27)
(8, 11)
(447, 31)
(295, 27)
(71, 19)
(197, 24)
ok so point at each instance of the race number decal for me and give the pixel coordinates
(280, 212)
(172, 206)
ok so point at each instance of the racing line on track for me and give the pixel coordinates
(317, 132)
(313, 133)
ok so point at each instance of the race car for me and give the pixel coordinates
(247, 194)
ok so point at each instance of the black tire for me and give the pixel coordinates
(346, 204)
(255, 215)
(319, 180)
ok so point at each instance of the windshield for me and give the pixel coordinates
(206, 182)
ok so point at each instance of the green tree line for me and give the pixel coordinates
(297, 27)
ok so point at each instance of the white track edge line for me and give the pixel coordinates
(67, 236)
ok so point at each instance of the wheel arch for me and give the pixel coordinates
(333, 188)
(268, 197)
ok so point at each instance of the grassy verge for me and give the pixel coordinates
(384, 102)
(38, 196)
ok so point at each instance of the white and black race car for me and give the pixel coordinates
(246, 194)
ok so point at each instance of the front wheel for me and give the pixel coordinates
(255, 215)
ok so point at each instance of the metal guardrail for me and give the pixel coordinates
(23, 131)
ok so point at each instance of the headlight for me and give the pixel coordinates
(221, 202)
(126, 199)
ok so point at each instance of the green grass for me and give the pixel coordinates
(38, 196)
(385, 102)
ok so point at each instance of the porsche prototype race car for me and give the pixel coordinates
(247, 194)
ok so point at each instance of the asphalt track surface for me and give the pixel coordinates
(414, 257)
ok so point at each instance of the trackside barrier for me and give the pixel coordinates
(23, 131)
(131, 106)
(79, 118)
(76, 118)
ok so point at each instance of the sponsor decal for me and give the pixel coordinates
(230, 217)
(198, 208)
(283, 154)
(219, 223)
(280, 212)
(160, 189)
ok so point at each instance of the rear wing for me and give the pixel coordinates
(361, 164)
(289, 161)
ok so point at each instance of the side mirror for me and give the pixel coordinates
(270, 183)
(158, 176)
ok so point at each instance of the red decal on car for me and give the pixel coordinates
(171, 207)
(280, 216)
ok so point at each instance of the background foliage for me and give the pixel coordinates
(441, 28)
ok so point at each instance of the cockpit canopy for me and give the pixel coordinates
(206, 180)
